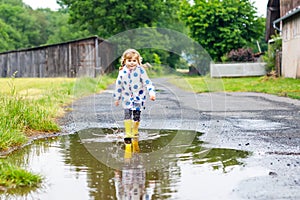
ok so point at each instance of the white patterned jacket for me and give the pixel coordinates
(131, 86)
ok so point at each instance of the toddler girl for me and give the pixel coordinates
(131, 86)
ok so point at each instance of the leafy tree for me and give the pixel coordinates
(23, 27)
(56, 26)
(107, 18)
(261, 40)
(23, 20)
(220, 26)
(9, 37)
(13, 2)
(169, 17)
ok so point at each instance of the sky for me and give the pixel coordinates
(260, 4)
(42, 4)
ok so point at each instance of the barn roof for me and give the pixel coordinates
(49, 45)
(286, 16)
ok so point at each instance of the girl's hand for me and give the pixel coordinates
(152, 97)
(116, 103)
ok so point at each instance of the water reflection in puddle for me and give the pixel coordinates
(72, 171)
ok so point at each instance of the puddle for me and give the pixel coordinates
(257, 125)
(72, 168)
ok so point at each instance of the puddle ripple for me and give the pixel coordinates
(72, 171)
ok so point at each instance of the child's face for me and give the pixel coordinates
(132, 62)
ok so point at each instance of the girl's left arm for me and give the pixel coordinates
(148, 83)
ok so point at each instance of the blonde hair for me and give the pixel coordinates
(128, 54)
(132, 53)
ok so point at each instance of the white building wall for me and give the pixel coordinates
(291, 47)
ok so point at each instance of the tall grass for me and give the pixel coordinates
(286, 87)
(12, 177)
(31, 105)
(18, 116)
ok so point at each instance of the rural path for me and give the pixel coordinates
(265, 125)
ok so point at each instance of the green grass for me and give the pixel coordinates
(30, 106)
(14, 177)
(286, 87)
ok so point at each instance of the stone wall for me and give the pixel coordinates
(237, 69)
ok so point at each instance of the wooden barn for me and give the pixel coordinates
(284, 16)
(90, 57)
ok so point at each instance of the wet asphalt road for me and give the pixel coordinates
(266, 125)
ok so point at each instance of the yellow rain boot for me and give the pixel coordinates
(135, 145)
(128, 128)
(135, 128)
(128, 153)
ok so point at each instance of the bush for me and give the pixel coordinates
(241, 55)
(270, 58)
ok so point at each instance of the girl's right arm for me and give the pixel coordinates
(118, 89)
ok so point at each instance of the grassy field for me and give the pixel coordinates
(31, 106)
(286, 87)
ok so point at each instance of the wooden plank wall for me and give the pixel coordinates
(71, 59)
(288, 5)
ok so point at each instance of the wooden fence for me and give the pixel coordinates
(83, 57)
